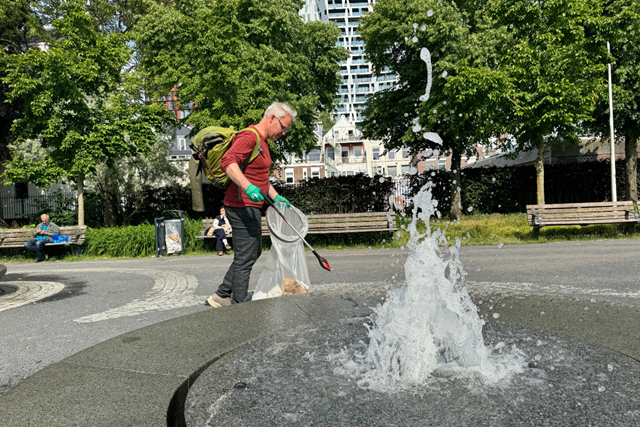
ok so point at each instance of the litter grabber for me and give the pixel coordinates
(323, 262)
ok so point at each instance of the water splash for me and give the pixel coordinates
(429, 325)
(425, 55)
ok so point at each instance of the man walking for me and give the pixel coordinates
(43, 235)
(243, 199)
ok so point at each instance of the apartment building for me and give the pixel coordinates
(358, 80)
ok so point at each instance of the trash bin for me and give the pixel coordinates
(170, 233)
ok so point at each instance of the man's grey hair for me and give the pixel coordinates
(280, 109)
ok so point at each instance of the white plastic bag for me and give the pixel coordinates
(286, 269)
(172, 236)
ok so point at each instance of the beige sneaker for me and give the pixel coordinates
(217, 301)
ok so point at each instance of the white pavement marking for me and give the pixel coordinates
(14, 294)
(171, 290)
(546, 289)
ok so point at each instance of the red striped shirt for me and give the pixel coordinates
(257, 172)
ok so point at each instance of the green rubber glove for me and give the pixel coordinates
(279, 198)
(253, 193)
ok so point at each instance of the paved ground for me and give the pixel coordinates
(51, 310)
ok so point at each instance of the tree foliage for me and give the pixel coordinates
(621, 27)
(233, 58)
(78, 103)
(553, 53)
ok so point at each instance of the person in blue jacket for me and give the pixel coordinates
(44, 234)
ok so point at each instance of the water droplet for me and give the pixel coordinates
(500, 245)
(414, 39)
(493, 179)
(444, 102)
(610, 367)
(496, 315)
(429, 12)
(601, 388)
(470, 208)
(423, 28)
(444, 74)
(435, 111)
(381, 180)
(413, 170)
(542, 313)
(415, 25)
(433, 174)
(460, 115)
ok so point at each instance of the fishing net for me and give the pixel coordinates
(286, 270)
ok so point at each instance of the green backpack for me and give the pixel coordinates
(213, 142)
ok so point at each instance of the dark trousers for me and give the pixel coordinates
(247, 247)
(220, 234)
(37, 246)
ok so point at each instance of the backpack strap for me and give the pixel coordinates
(256, 150)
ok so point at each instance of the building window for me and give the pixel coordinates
(376, 153)
(405, 152)
(304, 173)
(315, 172)
(349, 173)
(314, 155)
(345, 152)
(393, 170)
(288, 175)
(442, 164)
(357, 151)
(430, 164)
(330, 153)
(405, 169)
(182, 144)
(391, 154)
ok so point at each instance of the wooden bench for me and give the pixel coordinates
(581, 214)
(331, 223)
(16, 237)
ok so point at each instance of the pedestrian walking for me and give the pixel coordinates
(243, 199)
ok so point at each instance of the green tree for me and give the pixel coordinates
(325, 118)
(130, 178)
(554, 57)
(233, 58)
(79, 104)
(465, 88)
(621, 27)
(19, 30)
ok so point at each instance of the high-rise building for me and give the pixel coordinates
(358, 79)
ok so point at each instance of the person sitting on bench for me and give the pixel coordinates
(221, 228)
(43, 235)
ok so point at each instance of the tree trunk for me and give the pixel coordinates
(542, 149)
(110, 202)
(80, 199)
(631, 161)
(456, 185)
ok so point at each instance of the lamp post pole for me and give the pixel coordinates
(614, 197)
